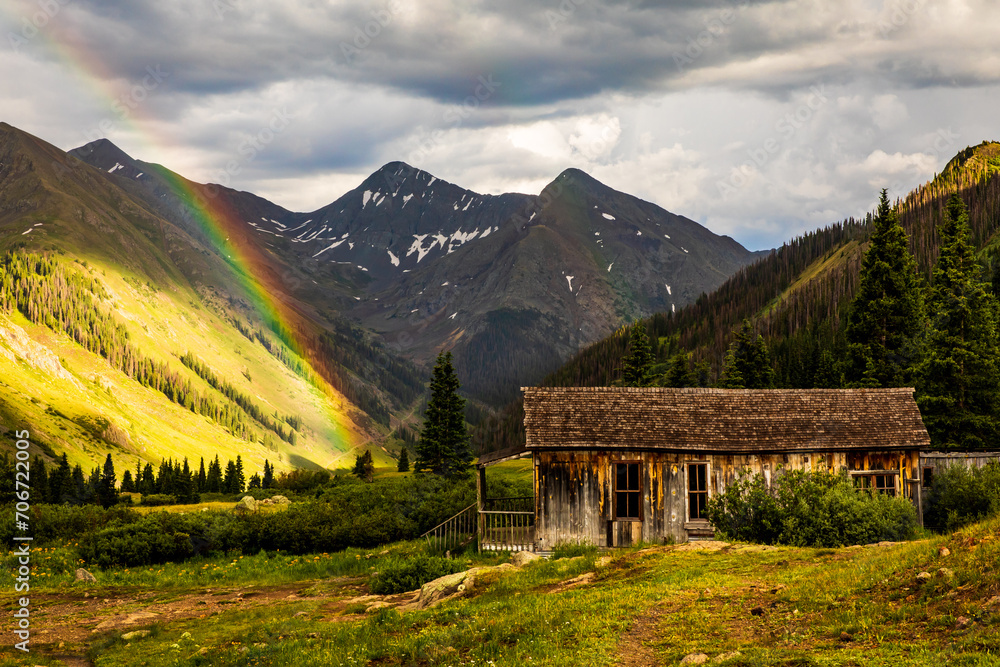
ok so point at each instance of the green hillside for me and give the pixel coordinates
(797, 296)
(121, 333)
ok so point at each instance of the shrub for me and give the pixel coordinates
(398, 575)
(960, 495)
(157, 538)
(809, 509)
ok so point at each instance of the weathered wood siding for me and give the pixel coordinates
(574, 489)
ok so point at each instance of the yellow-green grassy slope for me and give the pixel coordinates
(56, 404)
(53, 204)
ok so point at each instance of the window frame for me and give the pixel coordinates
(700, 492)
(869, 481)
(636, 492)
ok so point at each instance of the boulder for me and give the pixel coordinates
(135, 634)
(83, 575)
(730, 655)
(280, 500)
(695, 659)
(246, 505)
(522, 558)
(923, 577)
(944, 551)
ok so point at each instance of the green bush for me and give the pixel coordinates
(158, 538)
(398, 575)
(62, 523)
(961, 495)
(809, 509)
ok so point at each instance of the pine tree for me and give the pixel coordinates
(254, 482)
(241, 481)
(61, 482)
(201, 480)
(638, 362)
(268, 480)
(679, 373)
(748, 362)
(885, 320)
(40, 481)
(127, 486)
(107, 492)
(403, 465)
(213, 481)
(229, 479)
(148, 484)
(958, 390)
(443, 447)
(364, 468)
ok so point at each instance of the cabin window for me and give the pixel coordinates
(879, 483)
(927, 479)
(697, 491)
(628, 491)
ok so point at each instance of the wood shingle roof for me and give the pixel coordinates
(722, 420)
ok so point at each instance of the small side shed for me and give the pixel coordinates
(616, 465)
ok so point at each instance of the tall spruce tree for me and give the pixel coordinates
(679, 373)
(443, 447)
(885, 321)
(268, 480)
(638, 362)
(403, 465)
(958, 390)
(748, 362)
(364, 467)
(107, 491)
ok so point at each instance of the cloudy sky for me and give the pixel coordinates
(760, 120)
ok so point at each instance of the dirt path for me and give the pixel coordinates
(633, 649)
(65, 623)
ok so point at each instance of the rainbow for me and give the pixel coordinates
(207, 207)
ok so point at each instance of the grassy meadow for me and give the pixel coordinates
(740, 604)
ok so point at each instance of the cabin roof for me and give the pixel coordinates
(722, 420)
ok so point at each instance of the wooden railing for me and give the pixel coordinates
(458, 531)
(507, 524)
(519, 504)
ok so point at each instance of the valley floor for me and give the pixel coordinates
(736, 604)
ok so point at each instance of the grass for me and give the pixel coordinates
(772, 605)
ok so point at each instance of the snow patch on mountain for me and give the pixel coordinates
(329, 247)
(607, 216)
(569, 279)
(393, 258)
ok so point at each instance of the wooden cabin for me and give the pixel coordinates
(616, 465)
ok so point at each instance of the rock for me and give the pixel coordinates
(695, 659)
(83, 575)
(757, 611)
(300, 614)
(962, 622)
(280, 500)
(730, 655)
(522, 558)
(992, 602)
(375, 606)
(944, 551)
(945, 573)
(246, 505)
(135, 634)
(846, 637)
(923, 577)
